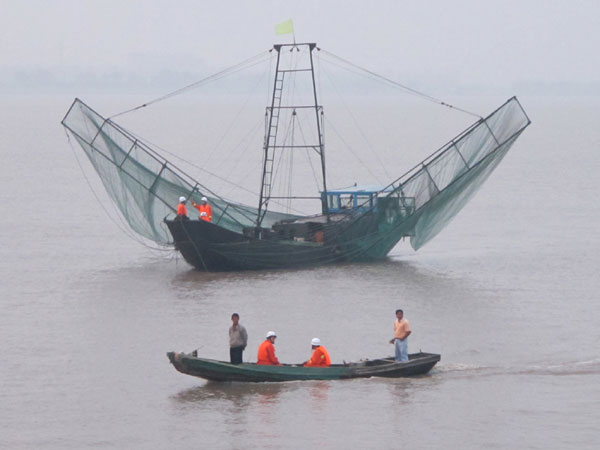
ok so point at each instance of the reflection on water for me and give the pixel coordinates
(385, 271)
(241, 394)
(403, 390)
(238, 394)
(319, 393)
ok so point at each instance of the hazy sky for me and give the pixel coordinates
(470, 42)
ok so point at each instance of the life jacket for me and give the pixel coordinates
(181, 210)
(266, 354)
(207, 210)
(319, 358)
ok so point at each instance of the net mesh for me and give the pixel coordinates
(441, 185)
(421, 203)
(145, 186)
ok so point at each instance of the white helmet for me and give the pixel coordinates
(203, 199)
(315, 341)
(271, 334)
(181, 199)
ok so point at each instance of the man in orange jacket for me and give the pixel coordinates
(204, 210)
(181, 209)
(320, 356)
(266, 351)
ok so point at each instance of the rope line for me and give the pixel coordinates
(228, 71)
(399, 85)
(358, 127)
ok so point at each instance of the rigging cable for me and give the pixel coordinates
(230, 70)
(291, 164)
(163, 150)
(307, 151)
(399, 85)
(338, 134)
(274, 178)
(359, 128)
(235, 118)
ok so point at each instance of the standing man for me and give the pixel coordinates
(204, 210)
(401, 333)
(238, 339)
(266, 351)
(181, 209)
(320, 356)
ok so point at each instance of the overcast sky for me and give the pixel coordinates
(468, 42)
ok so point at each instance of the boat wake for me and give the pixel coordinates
(587, 367)
(567, 368)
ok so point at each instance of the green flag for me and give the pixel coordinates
(286, 27)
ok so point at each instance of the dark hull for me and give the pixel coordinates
(209, 247)
(419, 364)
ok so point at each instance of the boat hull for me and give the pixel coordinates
(418, 364)
(212, 248)
(209, 247)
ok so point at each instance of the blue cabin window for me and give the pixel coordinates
(345, 201)
(333, 202)
(364, 201)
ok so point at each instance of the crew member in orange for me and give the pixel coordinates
(204, 210)
(181, 209)
(266, 351)
(320, 356)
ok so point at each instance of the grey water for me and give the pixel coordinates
(507, 294)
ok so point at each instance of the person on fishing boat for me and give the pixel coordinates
(401, 333)
(204, 210)
(181, 209)
(320, 356)
(238, 339)
(266, 351)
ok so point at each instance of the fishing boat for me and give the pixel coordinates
(210, 369)
(357, 223)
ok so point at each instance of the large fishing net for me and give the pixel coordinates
(144, 185)
(439, 187)
(423, 201)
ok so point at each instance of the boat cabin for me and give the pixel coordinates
(364, 198)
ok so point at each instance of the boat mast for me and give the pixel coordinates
(321, 149)
(273, 116)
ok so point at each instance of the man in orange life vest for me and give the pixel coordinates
(320, 356)
(266, 351)
(181, 209)
(204, 210)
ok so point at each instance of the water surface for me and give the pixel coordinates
(508, 294)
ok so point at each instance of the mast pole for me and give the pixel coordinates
(272, 125)
(319, 131)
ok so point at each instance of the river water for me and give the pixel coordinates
(507, 293)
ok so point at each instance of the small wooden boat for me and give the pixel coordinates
(210, 369)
